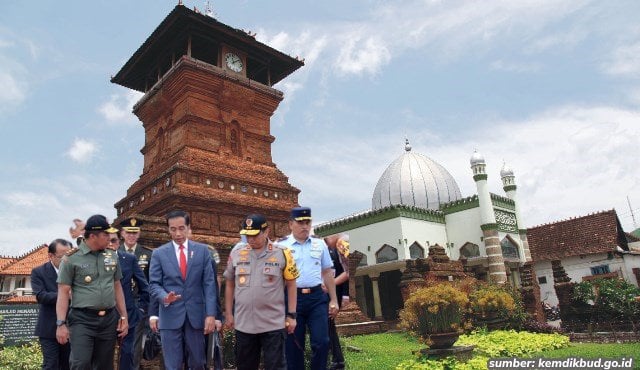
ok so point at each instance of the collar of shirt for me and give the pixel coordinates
(177, 246)
(54, 267)
(295, 241)
(128, 248)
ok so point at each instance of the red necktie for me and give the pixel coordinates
(183, 263)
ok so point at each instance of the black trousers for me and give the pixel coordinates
(249, 346)
(55, 356)
(92, 340)
(337, 357)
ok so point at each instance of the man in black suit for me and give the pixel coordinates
(130, 232)
(43, 282)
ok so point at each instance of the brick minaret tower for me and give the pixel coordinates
(206, 116)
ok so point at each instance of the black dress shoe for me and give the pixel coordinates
(337, 366)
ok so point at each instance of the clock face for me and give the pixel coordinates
(234, 62)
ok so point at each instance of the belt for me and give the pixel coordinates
(92, 311)
(310, 290)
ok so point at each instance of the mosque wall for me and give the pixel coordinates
(463, 227)
(370, 238)
(424, 232)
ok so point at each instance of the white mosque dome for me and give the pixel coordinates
(415, 180)
(476, 158)
(506, 171)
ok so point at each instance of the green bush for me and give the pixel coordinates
(498, 343)
(509, 343)
(25, 357)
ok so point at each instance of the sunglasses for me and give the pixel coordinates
(114, 240)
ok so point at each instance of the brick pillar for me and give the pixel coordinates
(411, 280)
(350, 312)
(497, 270)
(564, 290)
(530, 292)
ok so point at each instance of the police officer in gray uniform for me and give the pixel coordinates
(90, 276)
(256, 275)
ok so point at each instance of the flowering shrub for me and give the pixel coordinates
(432, 310)
(489, 298)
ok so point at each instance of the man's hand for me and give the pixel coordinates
(62, 334)
(228, 321)
(171, 297)
(153, 324)
(333, 309)
(218, 325)
(123, 327)
(78, 231)
(290, 325)
(209, 324)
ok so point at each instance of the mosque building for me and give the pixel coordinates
(417, 205)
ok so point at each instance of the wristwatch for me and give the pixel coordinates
(61, 322)
(292, 315)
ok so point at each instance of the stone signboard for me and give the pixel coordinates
(18, 323)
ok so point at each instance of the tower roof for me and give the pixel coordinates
(415, 180)
(169, 40)
(476, 158)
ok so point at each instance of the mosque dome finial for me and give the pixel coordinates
(407, 146)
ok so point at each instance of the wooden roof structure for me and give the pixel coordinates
(188, 32)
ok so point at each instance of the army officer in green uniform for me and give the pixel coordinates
(90, 276)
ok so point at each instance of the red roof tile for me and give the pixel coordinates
(4, 261)
(25, 263)
(21, 299)
(595, 233)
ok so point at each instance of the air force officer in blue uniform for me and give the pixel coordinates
(183, 284)
(315, 266)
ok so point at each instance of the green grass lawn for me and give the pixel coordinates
(379, 351)
(385, 351)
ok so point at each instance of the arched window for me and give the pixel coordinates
(470, 250)
(416, 251)
(386, 253)
(509, 248)
(363, 261)
(234, 142)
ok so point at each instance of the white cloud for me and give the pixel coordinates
(118, 109)
(625, 61)
(360, 55)
(13, 92)
(31, 200)
(45, 212)
(82, 150)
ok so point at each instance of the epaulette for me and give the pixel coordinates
(279, 246)
(71, 251)
(282, 239)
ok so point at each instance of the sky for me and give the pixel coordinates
(551, 88)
